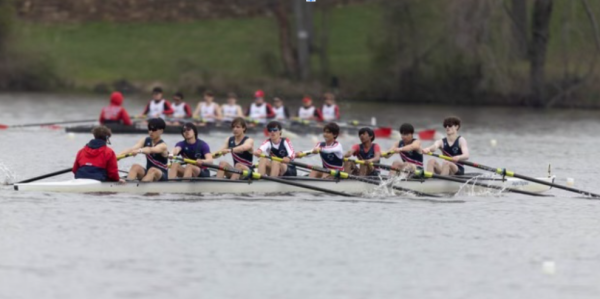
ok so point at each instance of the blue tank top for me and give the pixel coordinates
(155, 160)
(364, 155)
(453, 150)
(245, 157)
(413, 157)
(330, 159)
(280, 152)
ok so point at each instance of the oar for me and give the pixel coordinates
(345, 175)
(37, 178)
(426, 174)
(2, 127)
(258, 176)
(504, 172)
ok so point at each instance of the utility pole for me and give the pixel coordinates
(303, 34)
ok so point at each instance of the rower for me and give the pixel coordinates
(240, 146)
(453, 145)
(181, 109)
(158, 106)
(366, 151)
(208, 110)
(308, 111)
(409, 149)
(331, 151)
(231, 110)
(115, 113)
(156, 152)
(190, 148)
(281, 111)
(259, 111)
(276, 146)
(96, 160)
(330, 111)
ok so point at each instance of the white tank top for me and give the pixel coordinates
(179, 110)
(306, 113)
(329, 112)
(208, 112)
(156, 108)
(279, 112)
(258, 113)
(230, 112)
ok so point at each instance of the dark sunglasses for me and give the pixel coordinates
(448, 125)
(273, 129)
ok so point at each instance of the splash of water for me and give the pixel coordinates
(470, 189)
(7, 175)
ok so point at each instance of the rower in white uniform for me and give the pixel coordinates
(281, 111)
(231, 110)
(259, 111)
(208, 110)
(330, 110)
(308, 111)
(158, 106)
(181, 109)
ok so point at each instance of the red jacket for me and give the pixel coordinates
(114, 113)
(96, 161)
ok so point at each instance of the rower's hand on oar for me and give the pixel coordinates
(387, 154)
(425, 151)
(316, 150)
(285, 160)
(225, 152)
(456, 159)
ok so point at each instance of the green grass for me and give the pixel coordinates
(87, 54)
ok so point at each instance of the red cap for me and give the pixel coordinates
(116, 98)
(306, 100)
(259, 94)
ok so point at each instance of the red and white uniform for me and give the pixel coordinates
(160, 108)
(208, 112)
(332, 155)
(115, 113)
(330, 112)
(183, 110)
(310, 112)
(230, 112)
(260, 113)
(287, 150)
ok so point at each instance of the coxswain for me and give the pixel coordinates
(115, 113)
(96, 160)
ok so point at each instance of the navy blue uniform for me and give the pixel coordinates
(245, 157)
(156, 160)
(413, 157)
(453, 150)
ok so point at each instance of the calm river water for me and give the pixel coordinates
(304, 246)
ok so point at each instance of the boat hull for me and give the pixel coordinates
(223, 186)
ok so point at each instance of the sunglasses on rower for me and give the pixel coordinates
(273, 129)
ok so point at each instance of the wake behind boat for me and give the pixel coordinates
(224, 186)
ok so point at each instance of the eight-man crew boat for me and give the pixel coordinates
(225, 186)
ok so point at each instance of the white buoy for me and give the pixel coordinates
(549, 267)
(493, 142)
(570, 182)
(71, 135)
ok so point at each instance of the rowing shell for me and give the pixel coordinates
(224, 186)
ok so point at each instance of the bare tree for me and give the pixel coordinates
(281, 12)
(542, 13)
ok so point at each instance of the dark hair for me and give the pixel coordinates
(333, 128)
(179, 95)
(209, 93)
(406, 129)
(274, 124)
(240, 122)
(453, 121)
(368, 131)
(232, 95)
(157, 89)
(190, 126)
(101, 132)
(157, 123)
